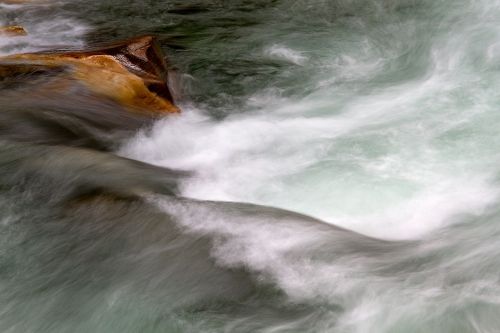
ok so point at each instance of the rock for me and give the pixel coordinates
(11, 31)
(132, 73)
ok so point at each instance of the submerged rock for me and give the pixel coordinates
(13, 30)
(132, 73)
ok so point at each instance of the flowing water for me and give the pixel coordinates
(371, 127)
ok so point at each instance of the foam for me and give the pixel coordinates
(284, 53)
(44, 33)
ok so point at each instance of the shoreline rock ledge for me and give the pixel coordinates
(132, 73)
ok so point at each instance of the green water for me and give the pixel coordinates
(379, 117)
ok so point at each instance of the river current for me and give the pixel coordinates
(335, 168)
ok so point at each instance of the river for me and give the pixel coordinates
(370, 126)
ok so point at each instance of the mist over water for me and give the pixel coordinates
(371, 127)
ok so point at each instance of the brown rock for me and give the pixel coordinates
(13, 30)
(132, 73)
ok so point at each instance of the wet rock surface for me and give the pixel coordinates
(13, 30)
(132, 73)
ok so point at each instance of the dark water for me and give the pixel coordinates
(371, 125)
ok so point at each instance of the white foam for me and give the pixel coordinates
(390, 160)
(52, 32)
(263, 245)
(394, 157)
(305, 164)
(285, 53)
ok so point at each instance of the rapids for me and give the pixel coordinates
(335, 168)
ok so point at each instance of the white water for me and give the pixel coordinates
(55, 31)
(388, 126)
(396, 162)
(397, 139)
